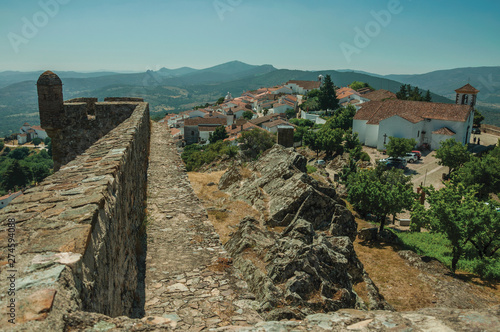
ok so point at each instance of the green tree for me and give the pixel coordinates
(1, 145)
(380, 193)
(19, 153)
(482, 172)
(331, 140)
(16, 175)
(327, 97)
(312, 104)
(266, 111)
(478, 118)
(247, 115)
(220, 101)
(290, 113)
(299, 133)
(47, 140)
(398, 147)
(302, 122)
(40, 172)
(343, 118)
(428, 97)
(456, 212)
(452, 154)
(36, 141)
(313, 141)
(219, 134)
(255, 141)
(359, 85)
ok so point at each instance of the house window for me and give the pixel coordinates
(418, 134)
(192, 132)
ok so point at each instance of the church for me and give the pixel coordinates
(428, 123)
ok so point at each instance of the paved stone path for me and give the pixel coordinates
(188, 280)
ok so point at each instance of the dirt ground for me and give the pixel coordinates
(404, 286)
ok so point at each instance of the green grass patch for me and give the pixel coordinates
(311, 169)
(437, 246)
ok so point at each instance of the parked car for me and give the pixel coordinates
(320, 162)
(476, 131)
(411, 157)
(394, 159)
(418, 153)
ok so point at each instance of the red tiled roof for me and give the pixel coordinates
(380, 95)
(205, 121)
(23, 135)
(308, 85)
(444, 131)
(344, 93)
(37, 128)
(467, 88)
(275, 123)
(174, 131)
(266, 118)
(207, 128)
(413, 111)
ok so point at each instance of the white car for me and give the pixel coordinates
(411, 157)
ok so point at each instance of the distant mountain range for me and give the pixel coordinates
(175, 90)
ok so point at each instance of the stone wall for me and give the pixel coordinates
(490, 129)
(79, 234)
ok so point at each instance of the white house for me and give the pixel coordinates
(428, 123)
(279, 108)
(303, 87)
(27, 133)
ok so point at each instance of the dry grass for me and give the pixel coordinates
(397, 281)
(255, 258)
(221, 265)
(224, 222)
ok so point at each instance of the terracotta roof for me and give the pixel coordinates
(444, 131)
(205, 121)
(174, 131)
(467, 88)
(308, 85)
(26, 124)
(264, 119)
(207, 128)
(413, 111)
(275, 123)
(37, 128)
(364, 90)
(23, 135)
(345, 92)
(380, 95)
(238, 128)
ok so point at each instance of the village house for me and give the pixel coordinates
(303, 87)
(27, 133)
(428, 123)
(197, 130)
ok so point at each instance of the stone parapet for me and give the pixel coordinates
(79, 235)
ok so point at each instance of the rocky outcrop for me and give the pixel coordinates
(308, 267)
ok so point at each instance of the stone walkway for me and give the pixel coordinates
(189, 282)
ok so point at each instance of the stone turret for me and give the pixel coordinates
(50, 101)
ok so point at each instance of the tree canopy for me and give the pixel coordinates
(452, 154)
(356, 85)
(407, 92)
(380, 193)
(478, 118)
(248, 115)
(219, 134)
(342, 118)
(456, 212)
(398, 147)
(327, 96)
(255, 141)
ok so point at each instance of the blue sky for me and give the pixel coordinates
(379, 36)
